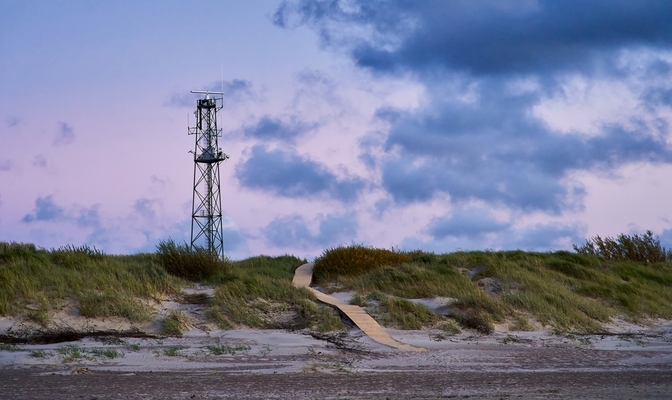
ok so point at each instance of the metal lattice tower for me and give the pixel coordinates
(206, 209)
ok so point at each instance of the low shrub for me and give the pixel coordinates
(521, 324)
(448, 327)
(355, 260)
(474, 319)
(645, 248)
(193, 264)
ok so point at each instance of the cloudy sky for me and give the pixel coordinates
(435, 125)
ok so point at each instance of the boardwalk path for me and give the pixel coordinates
(302, 278)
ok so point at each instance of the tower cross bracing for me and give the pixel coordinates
(206, 210)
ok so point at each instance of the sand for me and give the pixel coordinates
(282, 364)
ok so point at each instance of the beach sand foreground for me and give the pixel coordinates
(297, 365)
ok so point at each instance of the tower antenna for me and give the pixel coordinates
(206, 210)
(222, 71)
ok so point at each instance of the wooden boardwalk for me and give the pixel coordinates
(302, 278)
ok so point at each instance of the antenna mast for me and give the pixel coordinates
(206, 209)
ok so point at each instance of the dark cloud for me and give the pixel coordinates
(495, 150)
(292, 231)
(65, 135)
(461, 236)
(485, 37)
(234, 90)
(290, 175)
(468, 227)
(471, 222)
(270, 128)
(45, 210)
(542, 237)
(657, 97)
(6, 165)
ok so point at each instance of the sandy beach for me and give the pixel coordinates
(633, 362)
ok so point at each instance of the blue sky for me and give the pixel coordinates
(413, 124)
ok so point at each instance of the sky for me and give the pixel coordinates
(433, 125)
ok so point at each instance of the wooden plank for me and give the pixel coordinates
(303, 277)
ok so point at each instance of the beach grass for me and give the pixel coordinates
(566, 291)
(195, 264)
(563, 290)
(175, 323)
(258, 293)
(35, 281)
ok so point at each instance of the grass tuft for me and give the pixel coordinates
(40, 354)
(401, 313)
(71, 352)
(113, 304)
(522, 324)
(175, 323)
(218, 350)
(108, 353)
(173, 351)
(193, 264)
(354, 260)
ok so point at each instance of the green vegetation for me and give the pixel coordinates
(448, 327)
(35, 281)
(113, 303)
(218, 350)
(192, 264)
(107, 353)
(175, 323)
(521, 324)
(133, 347)
(566, 291)
(40, 354)
(569, 292)
(645, 248)
(173, 351)
(354, 260)
(400, 313)
(258, 293)
(71, 352)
